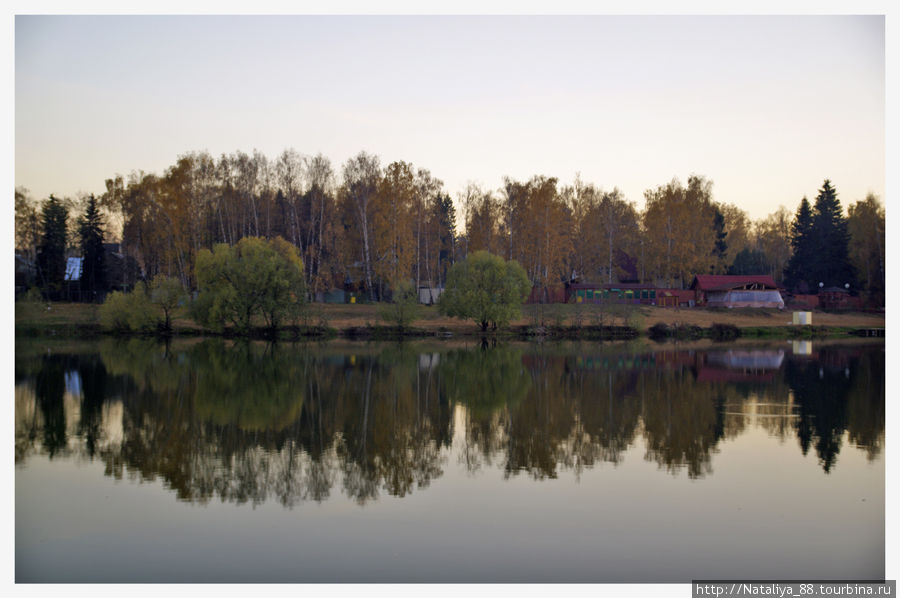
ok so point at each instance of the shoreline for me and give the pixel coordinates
(537, 323)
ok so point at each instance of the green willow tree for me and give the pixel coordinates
(255, 277)
(486, 289)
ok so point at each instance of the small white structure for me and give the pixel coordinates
(429, 295)
(802, 318)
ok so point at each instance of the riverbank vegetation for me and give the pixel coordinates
(37, 317)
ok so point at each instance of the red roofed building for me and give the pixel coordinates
(720, 290)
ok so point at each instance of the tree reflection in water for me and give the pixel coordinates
(246, 423)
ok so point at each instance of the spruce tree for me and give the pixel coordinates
(90, 228)
(820, 240)
(51, 256)
(831, 241)
(799, 273)
(720, 247)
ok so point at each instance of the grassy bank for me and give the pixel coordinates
(587, 322)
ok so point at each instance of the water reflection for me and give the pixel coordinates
(248, 423)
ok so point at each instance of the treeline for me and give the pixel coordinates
(370, 226)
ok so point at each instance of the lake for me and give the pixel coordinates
(217, 461)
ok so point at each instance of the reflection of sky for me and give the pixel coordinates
(767, 107)
(73, 383)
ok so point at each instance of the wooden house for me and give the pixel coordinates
(615, 292)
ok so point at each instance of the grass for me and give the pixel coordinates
(555, 320)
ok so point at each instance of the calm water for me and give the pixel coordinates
(227, 462)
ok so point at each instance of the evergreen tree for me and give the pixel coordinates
(52, 248)
(832, 265)
(748, 262)
(720, 248)
(90, 230)
(447, 228)
(799, 273)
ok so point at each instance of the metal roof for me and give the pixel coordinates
(724, 282)
(73, 268)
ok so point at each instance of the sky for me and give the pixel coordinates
(766, 107)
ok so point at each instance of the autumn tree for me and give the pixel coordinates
(27, 223)
(609, 226)
(320, 240)
(481, 215)
(866, 225)
(360, 184)
(393, 222)
(773, 238)
(738, 231)
(678, 224)
(537, 225)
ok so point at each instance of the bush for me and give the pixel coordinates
(404, 309)
(124, 312)
(659, 330)
(114, 312)
(724, 332)
(166, 293)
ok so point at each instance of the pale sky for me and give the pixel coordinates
(766, 107)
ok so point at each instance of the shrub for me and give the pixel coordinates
(166, 293)
(123, 312)
(659, 330)
(724, 332)
(404, 309)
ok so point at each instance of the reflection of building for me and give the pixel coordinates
(740, 366)
(736, 291)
